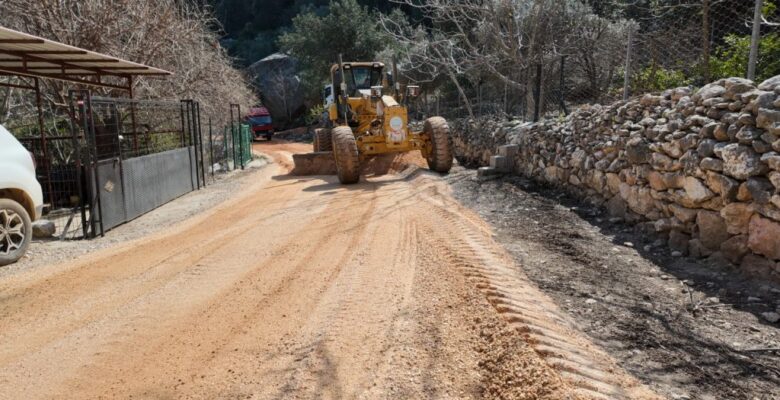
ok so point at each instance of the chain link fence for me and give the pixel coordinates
(111, 136)
(574, 53)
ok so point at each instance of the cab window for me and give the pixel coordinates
(359, 78)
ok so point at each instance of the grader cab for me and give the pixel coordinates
(369, 117)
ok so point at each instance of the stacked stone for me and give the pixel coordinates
(701, 169)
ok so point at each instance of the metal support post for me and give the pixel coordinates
(211, 150)
(627, 69)
(194, 140)
(44, 144)
(705, 39)
(754, 40)
(537, 91)
(240, 134)
(185, 125)
(563, 86)
(132, 121)
(237, 133)
(233, 135)
(93, 163)
(200, 141)
(79, 164)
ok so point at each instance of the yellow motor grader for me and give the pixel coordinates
(368, 116)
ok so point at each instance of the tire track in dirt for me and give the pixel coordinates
(299, 288)
(235, 311)
(359, 295)
(580, 363)
(54, 297)
(118, 315)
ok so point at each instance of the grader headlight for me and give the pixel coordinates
(412, 91)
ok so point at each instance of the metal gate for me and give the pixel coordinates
(137, 156)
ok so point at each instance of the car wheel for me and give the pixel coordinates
(15, 231)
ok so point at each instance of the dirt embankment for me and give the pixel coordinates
(300, 288)
(690, 329)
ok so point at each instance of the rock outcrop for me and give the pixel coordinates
(702, 168)
(277, 78)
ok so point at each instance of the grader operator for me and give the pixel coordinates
(369, 117)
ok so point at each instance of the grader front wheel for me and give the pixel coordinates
(345, 152)
(439, 154)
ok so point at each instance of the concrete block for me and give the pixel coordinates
(509, 150)
(500, 163)
(484, 173)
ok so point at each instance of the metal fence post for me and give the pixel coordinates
(754, 40)
(627, 72)
(194, 140)
(185, 124)
(240, 135)
(78, 161)
(705, 39)
(233, 134)
(200, 142)
(211, 150)
(537, 91)
(89, 134)
(44, 143)
(563, 86)
(181, 112)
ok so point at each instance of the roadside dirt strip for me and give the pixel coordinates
(299, 287)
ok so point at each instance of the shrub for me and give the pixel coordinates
(731, 59)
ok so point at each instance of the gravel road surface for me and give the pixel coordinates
(298, 287)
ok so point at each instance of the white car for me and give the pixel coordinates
(21, 198)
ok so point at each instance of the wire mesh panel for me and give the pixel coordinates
(546, 57)
(242, 136)
(155, 179)
(49, 138)
(217, 150)
(141, 155)
(695, 42)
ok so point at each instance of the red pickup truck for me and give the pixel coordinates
(260, 120)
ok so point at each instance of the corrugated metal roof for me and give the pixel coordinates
(25, 54)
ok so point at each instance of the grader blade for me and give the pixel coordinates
(317, 163)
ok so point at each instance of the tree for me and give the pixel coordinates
(168, 34)
(282, 87)
(474, 42)
(316, 41)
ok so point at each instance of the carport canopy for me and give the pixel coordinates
(29, 55)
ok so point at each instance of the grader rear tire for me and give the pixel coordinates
(324, 139)
(440, 155)
(345, 152)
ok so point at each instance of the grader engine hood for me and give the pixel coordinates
(395, 120)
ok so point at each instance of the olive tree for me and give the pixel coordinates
(317, 40)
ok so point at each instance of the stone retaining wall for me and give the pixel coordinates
(701, 169)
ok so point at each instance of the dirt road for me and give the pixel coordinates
(300, 288)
